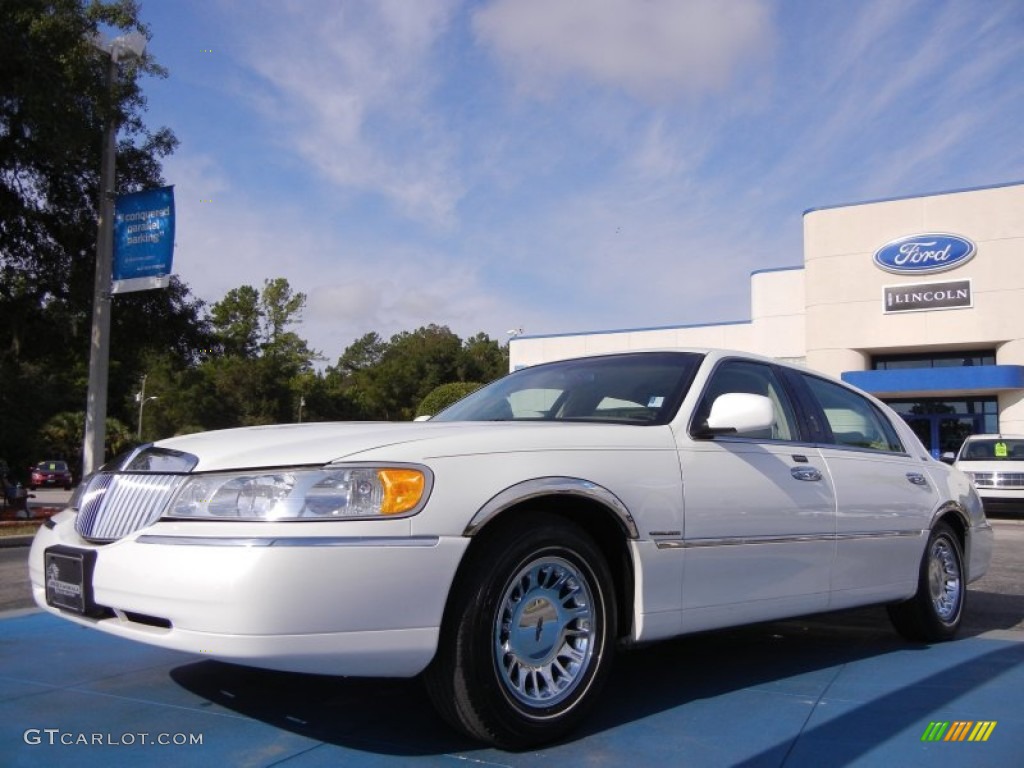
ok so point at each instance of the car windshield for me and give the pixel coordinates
(637, 388)
(996, 449)
(53, 466)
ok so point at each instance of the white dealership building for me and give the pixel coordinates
(919, 301)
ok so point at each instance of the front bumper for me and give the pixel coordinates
(355, 606)
(1002, 499)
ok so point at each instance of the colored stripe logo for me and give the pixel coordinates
(959, 730)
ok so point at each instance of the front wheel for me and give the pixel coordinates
(528, 637)
(934, 612)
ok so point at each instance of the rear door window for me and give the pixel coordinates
(855, 422)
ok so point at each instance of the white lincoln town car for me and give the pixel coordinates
(509, 545)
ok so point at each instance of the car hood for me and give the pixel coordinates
(1003, 466)
(321, 443)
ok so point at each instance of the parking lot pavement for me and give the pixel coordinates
(830, 690)
(782, 694)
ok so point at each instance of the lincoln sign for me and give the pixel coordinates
(927, 296)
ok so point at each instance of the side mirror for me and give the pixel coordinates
(948, 457)
(739, 412)
(425, 417)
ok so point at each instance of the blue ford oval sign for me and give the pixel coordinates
(922, 254)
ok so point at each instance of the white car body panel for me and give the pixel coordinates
(755, 532)
(881, 525)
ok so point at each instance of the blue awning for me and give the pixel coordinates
(976, 379)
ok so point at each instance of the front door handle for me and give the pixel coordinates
(809, 474)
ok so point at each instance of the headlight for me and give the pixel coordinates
(303, 494)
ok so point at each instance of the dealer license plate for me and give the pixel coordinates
(67, 578)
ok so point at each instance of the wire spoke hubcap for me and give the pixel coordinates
(545, 632)
(944, 579)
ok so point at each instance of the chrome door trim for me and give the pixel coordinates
(733, 541)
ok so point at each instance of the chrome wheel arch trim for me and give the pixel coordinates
(553, 486)
(970, 527)
(963, 518)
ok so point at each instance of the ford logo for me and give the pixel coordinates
(922, 254)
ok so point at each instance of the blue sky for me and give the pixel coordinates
(558, 165)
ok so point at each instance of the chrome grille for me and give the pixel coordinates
(998, 479)
(116, 505)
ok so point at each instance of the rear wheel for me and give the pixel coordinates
(528, 637)
(934, 613)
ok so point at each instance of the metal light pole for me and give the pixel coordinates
(141, 399)
(127, 46)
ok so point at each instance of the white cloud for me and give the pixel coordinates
(347, 85)
(354, 283)
(654, 49)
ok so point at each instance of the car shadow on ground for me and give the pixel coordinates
(394, 717)
(1000, 611)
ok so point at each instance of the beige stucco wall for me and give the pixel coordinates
(1011, 404)
(776, 329)
(845, 314)
(777, 311)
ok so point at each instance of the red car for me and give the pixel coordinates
(48, 474)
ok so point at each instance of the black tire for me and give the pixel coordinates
(518, 689)
(933, 614)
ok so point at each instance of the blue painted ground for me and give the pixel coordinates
(798, 693)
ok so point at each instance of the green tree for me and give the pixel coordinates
(483, 359)
(237, 320)
(63, 433)
(54, 104)
(363, 353)
(266, 366)
(441, 397)
(389, 380)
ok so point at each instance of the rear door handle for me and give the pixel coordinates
(917, 478)
(810, 474)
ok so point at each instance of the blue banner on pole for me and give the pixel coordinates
(143, 240)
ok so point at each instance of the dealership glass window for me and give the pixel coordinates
(983, 410)
(960, 359)
(942, 425)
